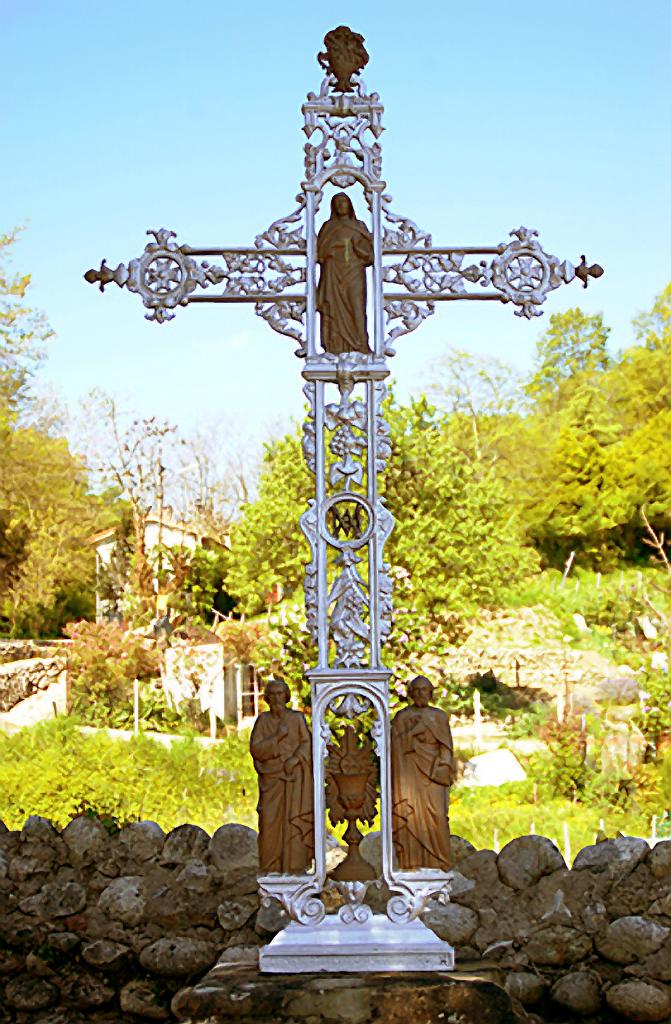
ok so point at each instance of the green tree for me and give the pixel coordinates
(640, 383)
(481, 396)
(573, 345)
(193, 581)
(569, 505)
(561, 474)
(267, 547)
(46, 512)
(23, 332)
(455, 535)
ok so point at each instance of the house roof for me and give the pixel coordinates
(107, 535)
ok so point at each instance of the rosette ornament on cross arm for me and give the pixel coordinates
(166, 275)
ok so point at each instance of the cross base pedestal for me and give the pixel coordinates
(377, 944)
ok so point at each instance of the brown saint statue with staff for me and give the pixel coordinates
(422, 770)
(281, 749)
(344, 250)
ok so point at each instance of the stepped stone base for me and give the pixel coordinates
(244, 996)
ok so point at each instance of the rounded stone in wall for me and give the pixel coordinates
(234, 914)
(85, 839)
(578, 991)
(270, 919)
(234, 849)
(460, 848)
(662, 905)
(139, 998)
(63, 942)
(122, 900)
(480, 867)
(631, 938)
(525, 860)
(38, 829)
(558, 945)
(142, 840)
(657, 965)
(113, 956)
(195, 877)
(84, 989)
(370, 849)
(526, 987)
(186, 842)
(614, 856)
(240, 956)
(659, 859)
(452, 923)
(56, 899)
(178, 957)
(640, 1000)
(31, 993)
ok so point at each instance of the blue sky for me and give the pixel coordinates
(127, 116)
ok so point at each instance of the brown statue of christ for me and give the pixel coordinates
(344, 250)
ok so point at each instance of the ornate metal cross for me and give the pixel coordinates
(346, 444)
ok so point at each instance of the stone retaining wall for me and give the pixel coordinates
(592, 942)
(108, 928)
(550, 668)
(26, 667)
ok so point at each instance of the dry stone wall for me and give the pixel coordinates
(592, 942)
(116, 928)
(550, 668)
(25, 668)
(107, 927)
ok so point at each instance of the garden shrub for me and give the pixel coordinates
(565, 771)
(59, 772)
(654, 715)
(476, 813)
(56, 771)
(104, 660)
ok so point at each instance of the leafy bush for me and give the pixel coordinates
(55, 770)
(565, 770)
(665, 779)
(529, 722)
(287, 649)
(510, 810)
(244, 638)
(193, 580)
(636, 790)
(654, 716)
(103, 662)
(609, 602)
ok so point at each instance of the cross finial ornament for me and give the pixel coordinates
(345, 285)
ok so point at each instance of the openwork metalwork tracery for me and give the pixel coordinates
(277, 273)
(346, 440)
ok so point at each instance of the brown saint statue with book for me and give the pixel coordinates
(422, 770)
(282, 752)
